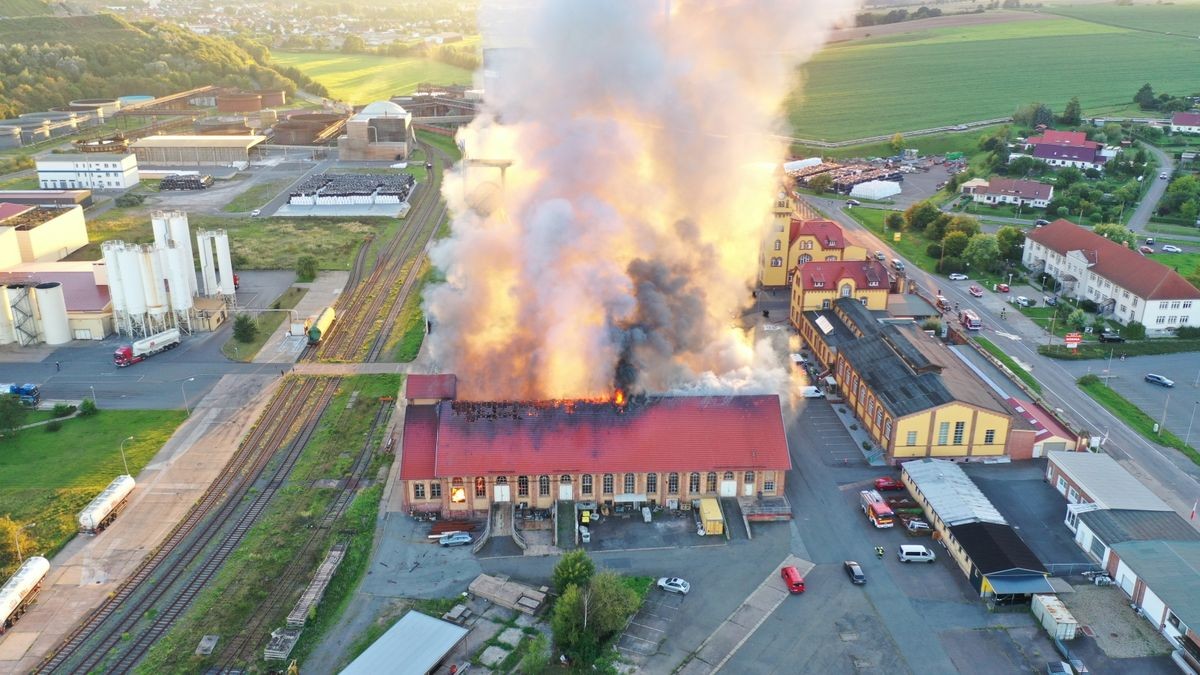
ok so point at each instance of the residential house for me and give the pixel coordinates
(1061, 155)
(1065, 139)
(1013, 191)
(1186, 123)
(1126, 285)
(816, 285)
(794, 241)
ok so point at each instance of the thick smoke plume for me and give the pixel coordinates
(622, 245)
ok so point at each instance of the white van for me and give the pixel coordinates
(910, 553)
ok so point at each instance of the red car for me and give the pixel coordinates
(887, 484)
(975, 291)
(1003, 288)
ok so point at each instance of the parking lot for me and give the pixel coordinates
(649, 627)
(1128, 379)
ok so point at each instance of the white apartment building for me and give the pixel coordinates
(100, 171)
(1125, 284)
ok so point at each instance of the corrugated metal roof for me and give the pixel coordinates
(1122, 525)
(996, 548)
(1171, 569)
(411, 647)
(1105, 481)
(950, 493)
(669, 433)
(902, 391)
(172, 141)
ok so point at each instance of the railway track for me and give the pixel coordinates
(243, 645)
(289, 415)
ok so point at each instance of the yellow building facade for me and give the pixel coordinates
(816, 285)
(786, 243)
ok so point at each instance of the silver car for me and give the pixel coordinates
(674, 585)
(455, 539)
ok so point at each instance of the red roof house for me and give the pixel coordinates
(1186, 122)
(826, 275)
(1065, 139)
(827, 233)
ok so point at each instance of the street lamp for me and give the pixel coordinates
(93, 388)
(1188, 436)
(123, 455)
(183, 393)
(17, 539)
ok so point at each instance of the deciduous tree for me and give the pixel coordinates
(919, 215)
(12, 414)
(1116, 232)
(1009, 240)
(982, 252)
(575, 567)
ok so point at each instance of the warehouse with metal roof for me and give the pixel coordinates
(416, 645)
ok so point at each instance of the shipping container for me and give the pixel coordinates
(710, 516)
(1054, 617)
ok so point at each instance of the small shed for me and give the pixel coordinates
(416, 645)
(875, 189)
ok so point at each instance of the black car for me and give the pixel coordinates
(1041, 221)
(1111, 337)
(855, 572)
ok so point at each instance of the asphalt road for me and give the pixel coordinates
(1175, 478)
(1145, 208)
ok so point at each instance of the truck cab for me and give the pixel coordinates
(28, 394)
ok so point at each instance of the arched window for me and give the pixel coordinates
(711, 482)
(543, 486)
(480, 487)
(458, 494)
(587, 483)
(693, 483)
(673, 483)
(501, 480)
(749, 478)
(522, 486)
(778, 245)
(630, 484)
(607, 486)
(652, 483)
(728, 475)
(565, 479)
(805, 258)
(846, 290)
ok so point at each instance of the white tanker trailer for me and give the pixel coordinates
(21, 589)
(106, 506)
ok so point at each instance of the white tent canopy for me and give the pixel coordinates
(875, 189)
(797, 164)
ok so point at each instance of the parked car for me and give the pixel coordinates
(1150, 241)
(975, 291)
(455, 539)
(888, 484)
(880, 256)
(1106, 336)
(855, 572)
(799, 359)
(674, 585)
(958, 276)
(853, 202)
(1041, 222)
(792, 579)
(1145, 250)
(812, 392)
(255, 213)
(1163, 175)
(1023, 301)
(1051, 300)
(1171, 248)
(917, 527)
(1003, 288)
(915, 552)
(1154, 378)
(1058, 668)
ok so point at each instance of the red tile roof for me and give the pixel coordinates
(1043, 423)
(662, 434)
(431, 386)
(826, 275)
(1089, 155)
(828, 233)
(1076, 139)
(8, 210)
(1120, 265)
(1185, 119)
(1025, 189)
(419, 449)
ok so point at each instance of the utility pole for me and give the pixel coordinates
(1163, 423)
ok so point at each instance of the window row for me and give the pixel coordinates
(587, 485)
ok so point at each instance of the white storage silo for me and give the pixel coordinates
(162, 229)
(131, 280)
(207, 272)
(224, 262)
(55, 328)
(180, 270)
(6, 327)
(112, 268)
(182, 236)
(156, 291)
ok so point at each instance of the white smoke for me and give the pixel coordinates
(627, 229)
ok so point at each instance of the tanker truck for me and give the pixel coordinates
(127, 355)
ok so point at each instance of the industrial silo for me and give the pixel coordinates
(207, 272)
(52, 305)
(224, 262)
(131, 284)
(116, 291)
(6, 326)
(181, 235)
(162, 228)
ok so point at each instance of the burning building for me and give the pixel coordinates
(462, 457)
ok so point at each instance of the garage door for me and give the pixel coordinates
(83, 334)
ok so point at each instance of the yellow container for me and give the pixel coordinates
(710, 516)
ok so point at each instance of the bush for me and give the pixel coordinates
(245, 328)
(87, 408)
(306, 268)
(63, 409)
(53, 426)
(1135, 331)
(1188, 332)
(1088, 379)
(934, 250)
(1089, 306)
(129, 199)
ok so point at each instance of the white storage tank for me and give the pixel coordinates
(22, 585)
(207, 272)
(55, 327)
(156, 290)
(161, 225)
(104, 508)
(224, 263)
(112, 269)
(182, 236)
(181, 270)
(1054, 617)
(131, 279)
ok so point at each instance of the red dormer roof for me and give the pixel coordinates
(867, 274)
(826, 232)
(1066, 139)
(1120, 265)
(431, 386)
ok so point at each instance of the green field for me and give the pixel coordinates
(1169, 19)
(1186, 264)
(24, 8)
(362, 78)
(46, 478)
(944, 76)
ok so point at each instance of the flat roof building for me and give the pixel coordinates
(416, 645)
(188, 150)
(1094, 477)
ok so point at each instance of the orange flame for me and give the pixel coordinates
(619, 397)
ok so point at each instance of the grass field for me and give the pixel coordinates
(443, 143)
(911, 246)
(362, 78)
(944, 76)
(255, 196)
(46, 478)
(1186, 264)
